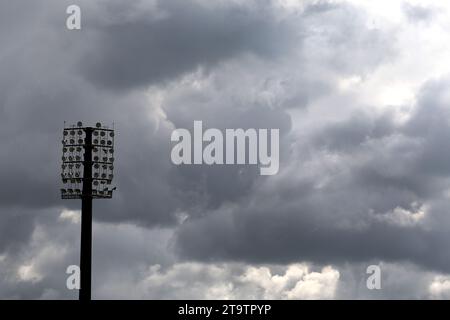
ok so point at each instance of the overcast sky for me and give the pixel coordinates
(358, 89)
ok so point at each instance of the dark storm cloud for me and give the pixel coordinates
(386, 174)
(146, 50)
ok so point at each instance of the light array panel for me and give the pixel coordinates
(73, 161)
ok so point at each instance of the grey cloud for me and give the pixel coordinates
(134, 263)
(16, 226)
(41, 91)
(333, 215)
(205, 186)
(36, 269)
(244, 65)
(398, 281)
(42, 88)
(352, 133)
(339, 37)
(52, 51)
(418, 13)
(184, 36)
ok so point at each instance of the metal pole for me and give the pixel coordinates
(86, 220)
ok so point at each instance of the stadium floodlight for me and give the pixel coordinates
(87, 173)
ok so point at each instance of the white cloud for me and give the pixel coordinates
(194, 280)
(440, 287)
(298, 282)
(403, 217)
(316, 285)
(73, 216)
(29, 273)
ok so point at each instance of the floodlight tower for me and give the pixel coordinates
(87, 173)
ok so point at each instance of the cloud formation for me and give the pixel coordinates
(358, 91)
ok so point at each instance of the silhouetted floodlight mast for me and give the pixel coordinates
(87, 172)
